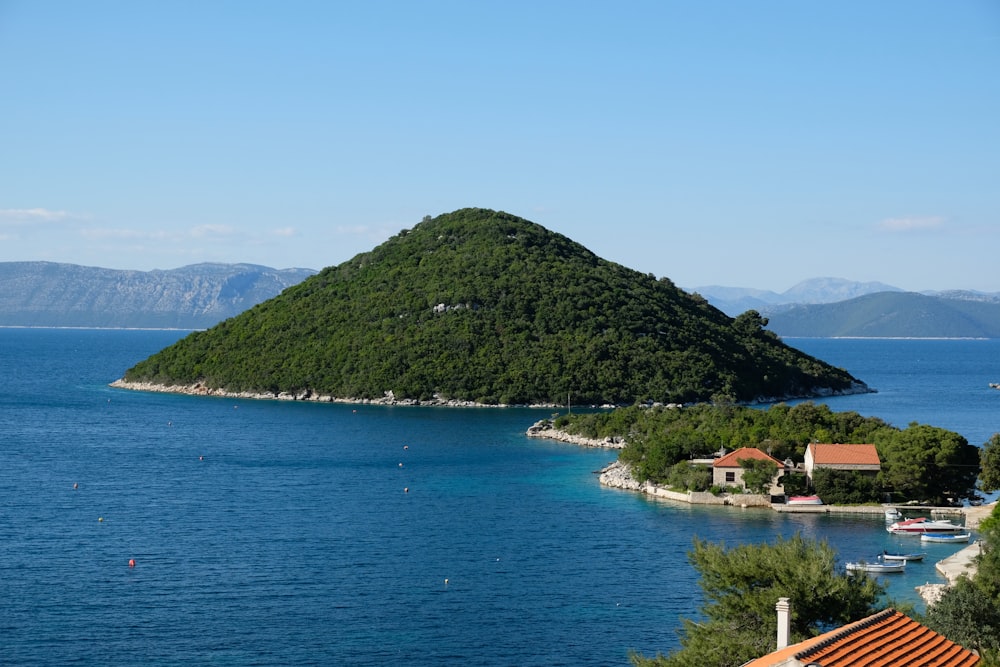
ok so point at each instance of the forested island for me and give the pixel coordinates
(485, 307)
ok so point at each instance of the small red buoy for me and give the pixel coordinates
(131, 562)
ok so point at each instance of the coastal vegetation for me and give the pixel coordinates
(740, 587)
(478, 305)
(919, 463)
(969, 611)
(989, 461)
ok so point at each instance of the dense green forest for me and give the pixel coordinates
(485, 306)
(921, 462)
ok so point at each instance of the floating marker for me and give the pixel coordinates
(75, 485)
(406, 489)
(131, 562)
(100, 519)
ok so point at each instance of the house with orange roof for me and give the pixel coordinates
(886, 639)
(727, 471)
(862, 458)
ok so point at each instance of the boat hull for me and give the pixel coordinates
(923, 525)
(945, 539)
(903, 557)
(877, 568)
(804, 500)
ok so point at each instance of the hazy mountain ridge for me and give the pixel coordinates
(736, 300)
(831, 307)
(890, 315)
(191, 297)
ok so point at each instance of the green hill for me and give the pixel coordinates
(891, 314)
(484, 306)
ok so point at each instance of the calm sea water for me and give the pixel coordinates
(284, 533)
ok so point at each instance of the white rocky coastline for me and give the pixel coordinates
(544, 429)
(388, 398)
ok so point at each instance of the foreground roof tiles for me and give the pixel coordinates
(823, 454)
(732, 459)
(886, 639)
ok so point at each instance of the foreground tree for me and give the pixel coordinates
(741, 586)
(969, 612)
(989, 461)
(966, 615)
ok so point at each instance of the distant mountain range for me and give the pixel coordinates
(47, 294)
(832, 307)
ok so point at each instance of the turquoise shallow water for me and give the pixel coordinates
(282, 533)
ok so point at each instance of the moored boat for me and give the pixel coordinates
(803, 500)
(903, 557)
(923, 525)
(877, 568)
(931, 537)
(893, 514)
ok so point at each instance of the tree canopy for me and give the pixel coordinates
(920, 462)
(741, 586)
(484, 306)
(969, 612)
(989, 460)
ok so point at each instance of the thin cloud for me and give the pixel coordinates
(367, 231)
(203, 231)
(98, 233)
(29, 215)
(911, 224)
(284, 231)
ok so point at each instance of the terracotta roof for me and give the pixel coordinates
(732, 459)
(844, 454)
(886, 639)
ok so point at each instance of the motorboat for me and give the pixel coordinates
(886, 555)
(893, 514)
(803, 500)
(923, 525)
(932, 537)
(877, 568)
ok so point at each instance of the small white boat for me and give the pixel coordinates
(877, 568)
(903, 557)
(803, 500)
(923, 525)
(893, 514)
(930, 537)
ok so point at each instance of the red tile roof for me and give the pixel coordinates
(886, 639)
(732, 459)
(844, 454)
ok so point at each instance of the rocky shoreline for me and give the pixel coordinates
(388, 398)
(544, 429)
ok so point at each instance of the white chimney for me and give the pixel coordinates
(784, 621)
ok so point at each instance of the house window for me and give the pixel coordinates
(730, 477)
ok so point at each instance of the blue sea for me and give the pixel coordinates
(279, 533)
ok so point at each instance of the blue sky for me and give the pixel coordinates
(750, 144)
